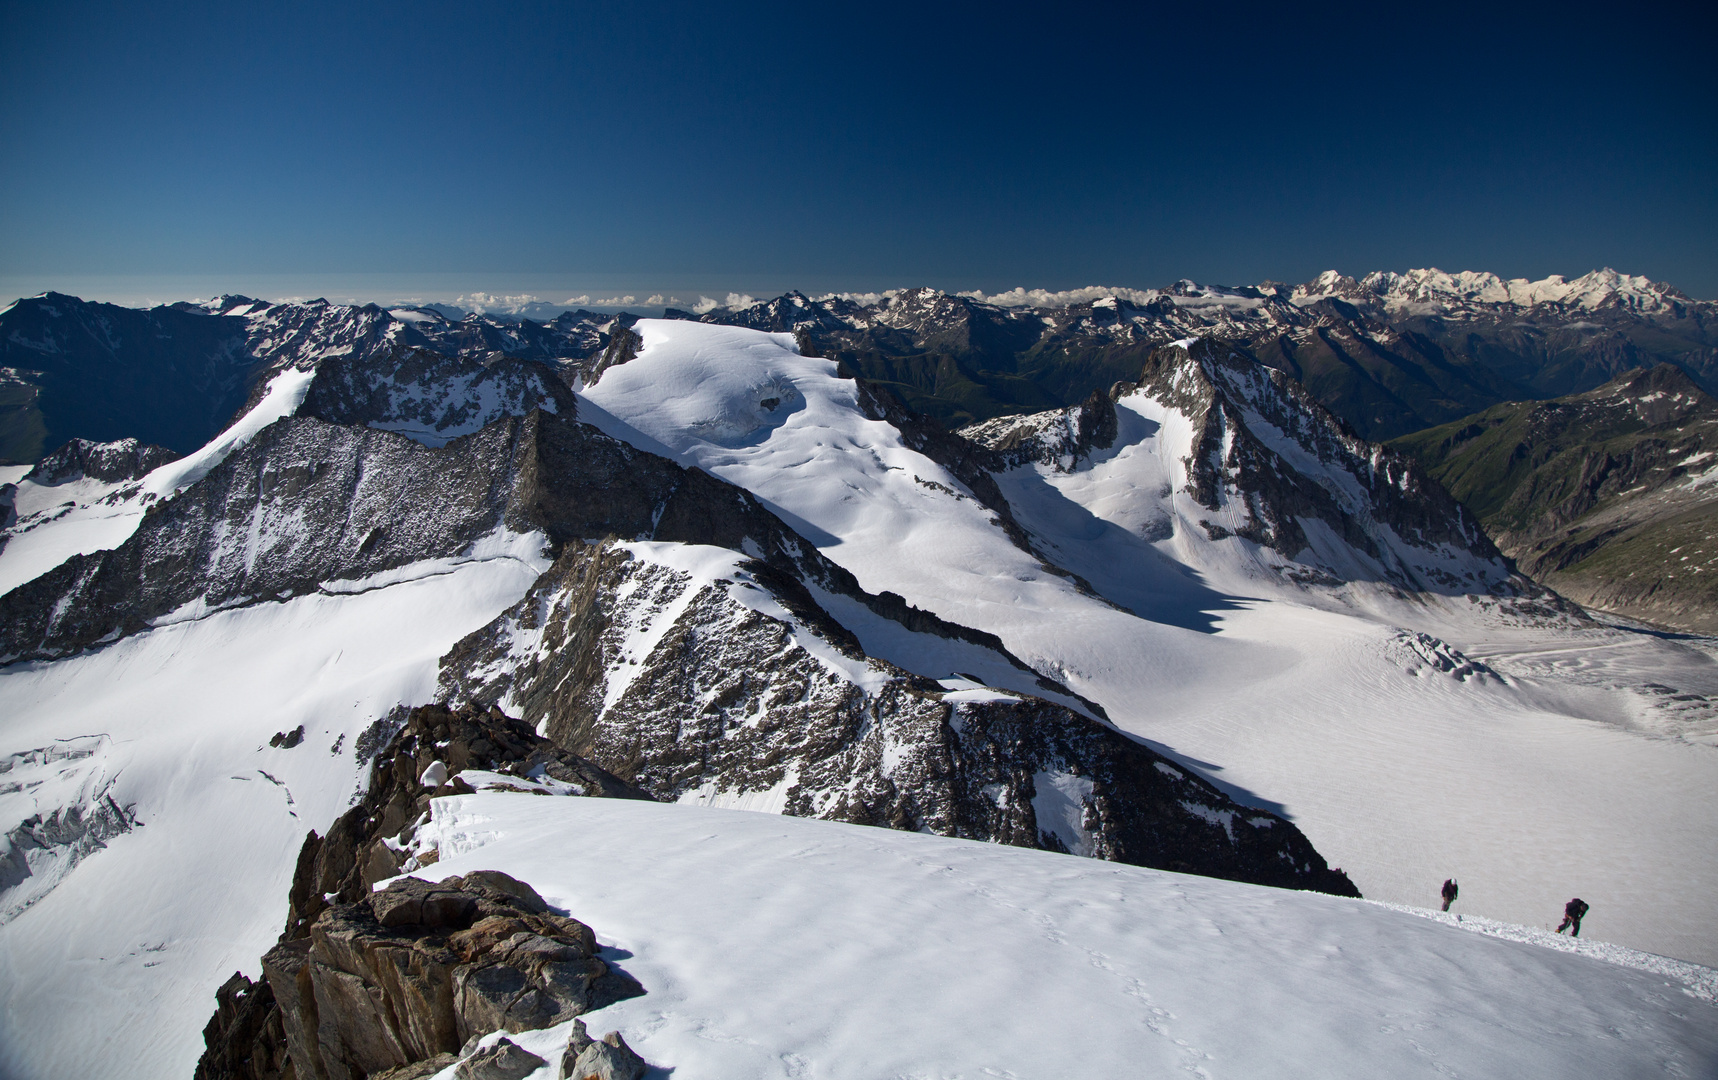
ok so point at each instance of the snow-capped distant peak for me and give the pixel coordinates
(1435, 291)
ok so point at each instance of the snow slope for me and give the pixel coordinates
(1320, 703)
(780, 947)
(57, 521)
(112, 971)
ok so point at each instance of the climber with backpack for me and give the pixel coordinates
(1573, 912)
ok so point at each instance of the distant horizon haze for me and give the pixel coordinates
(510, 293)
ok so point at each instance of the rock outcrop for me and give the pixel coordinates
(705, 675)
(420, 969)
(607, 1058)
(429, 397)
(363, 982)
(109, 462)
(1273, 466)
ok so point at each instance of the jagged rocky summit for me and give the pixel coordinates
(1264, 462)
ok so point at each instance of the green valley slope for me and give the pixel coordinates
(1609, 497)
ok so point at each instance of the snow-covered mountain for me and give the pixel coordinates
(1209, 438)
(177, 375)
(1468, 294)
(1193, 623)
(1390, 352)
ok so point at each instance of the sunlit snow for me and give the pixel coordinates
(1529, 790)
(781, 947)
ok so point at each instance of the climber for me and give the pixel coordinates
(1573, 912)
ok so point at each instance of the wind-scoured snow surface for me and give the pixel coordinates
(108, 969)
(782, 947)
(1350, 708)
(57, 521)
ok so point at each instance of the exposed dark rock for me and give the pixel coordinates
(109, 462)
(355, 853)
(245, 1038)
(419, 970)
(417, 1070)
(728, 700)
(379, 501)
(607, 1058)
(1060, 439)
(623, 346)
(362, 982)
(431, 397)
(503, 1061)
(286, 740)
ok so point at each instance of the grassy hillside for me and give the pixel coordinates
(1610, 497)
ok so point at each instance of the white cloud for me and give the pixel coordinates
(482, 303)
(616, 301)
(863, 299)
(734, 302)
(577, 301)
(1018, 297)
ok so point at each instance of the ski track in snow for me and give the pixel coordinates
(768, 946)
(1298, 700)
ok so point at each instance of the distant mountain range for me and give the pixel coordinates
(1389, 353)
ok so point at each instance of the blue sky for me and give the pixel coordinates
(413, 148)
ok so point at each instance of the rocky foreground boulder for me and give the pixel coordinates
(403, 982)
(421, 969)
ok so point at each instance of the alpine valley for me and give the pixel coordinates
(904, 684)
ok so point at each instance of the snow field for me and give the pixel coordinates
(114, 971)
(1404, 780)
(1298, 700)
(781, 947)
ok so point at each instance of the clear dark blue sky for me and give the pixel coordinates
(860, 147)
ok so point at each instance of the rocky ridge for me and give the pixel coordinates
(176, 375)
(1389, 353)
(705, 675)
(110, 463)
(1267, 461)
(411, 977)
